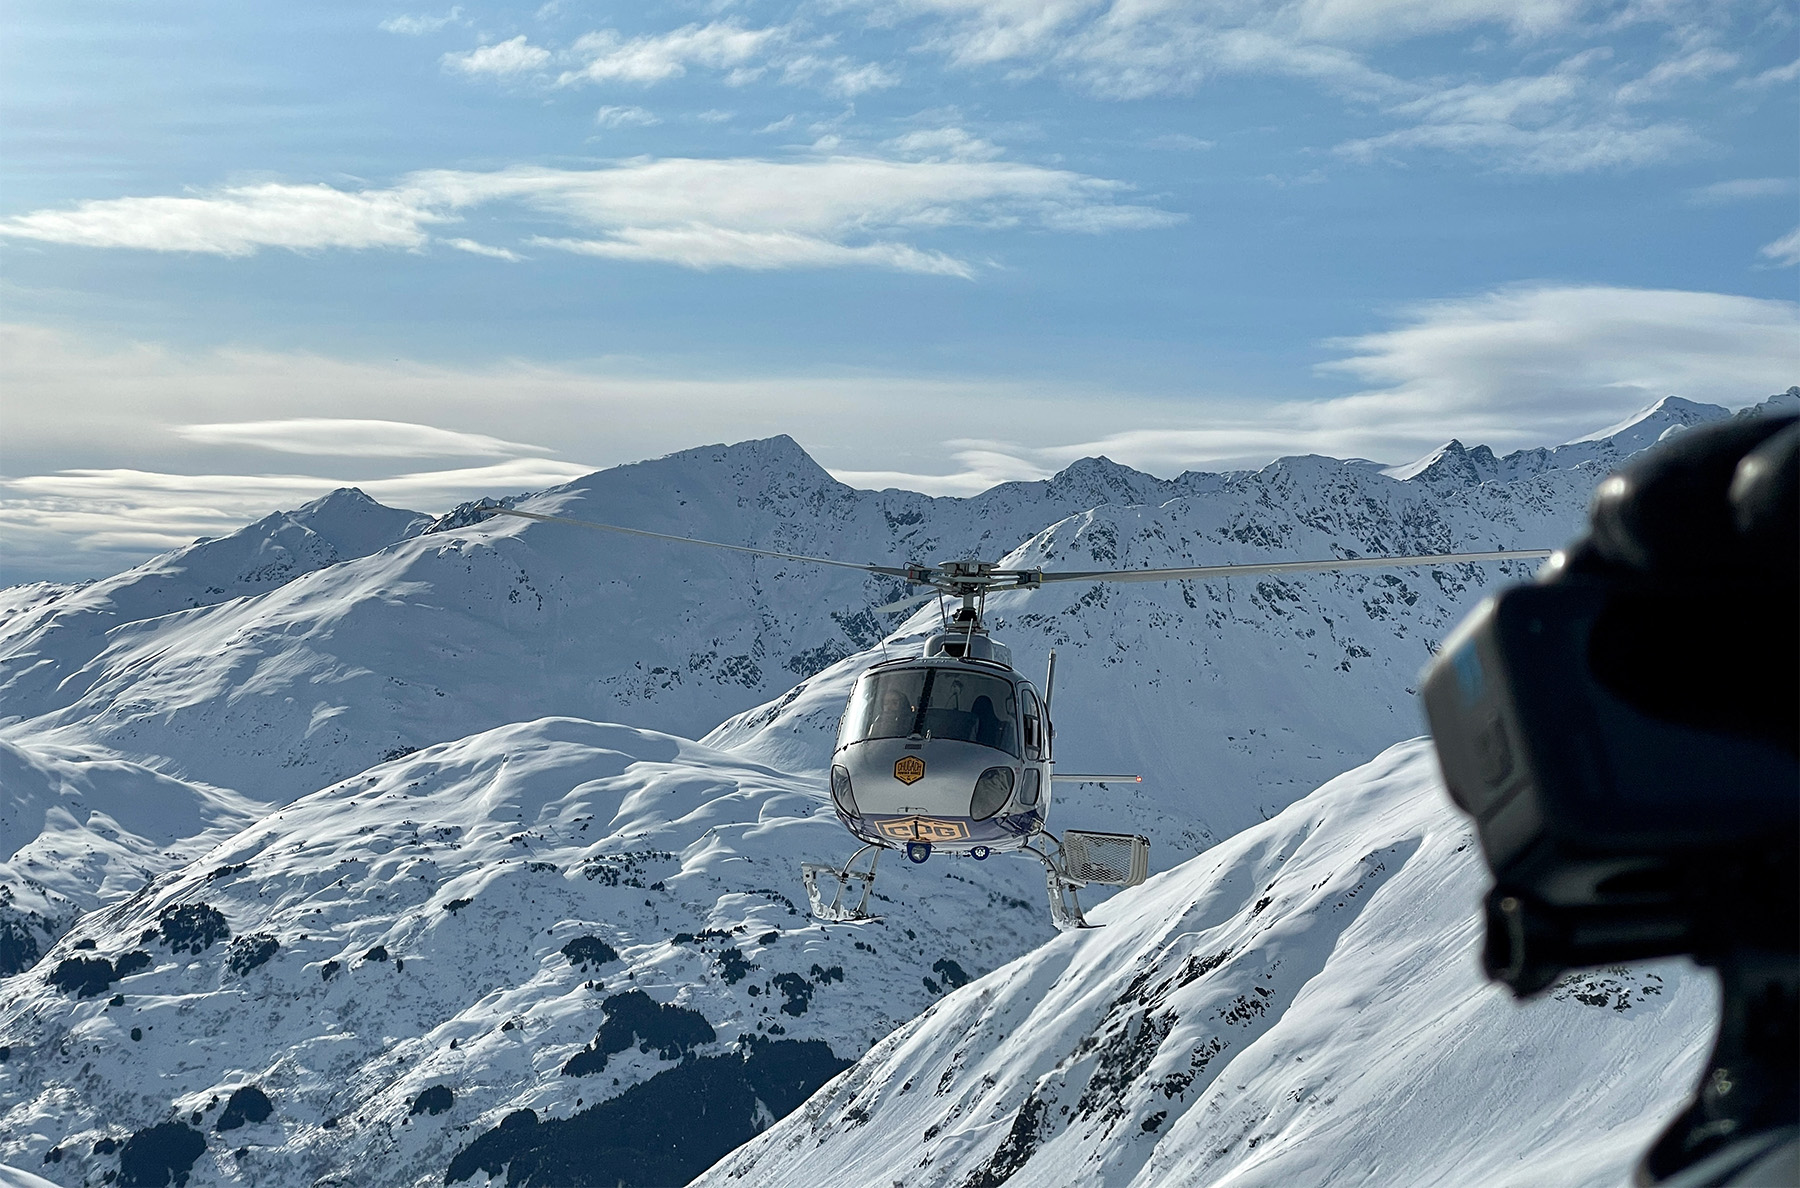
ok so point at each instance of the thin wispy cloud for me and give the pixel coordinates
(1564, 121)
(133, 513)
(238, 221)
(348, 437)
(419, 24)
(607, 56)
(1786, 250)
(1586, 115)
(475, 248)
(1743, 189)
(734, 213)
(625, 116)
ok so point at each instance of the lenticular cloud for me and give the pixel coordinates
(702, 214)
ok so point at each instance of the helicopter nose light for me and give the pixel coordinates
(918, 851)
(992, 788)
(841, 793)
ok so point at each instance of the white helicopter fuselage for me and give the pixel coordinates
(944, 749)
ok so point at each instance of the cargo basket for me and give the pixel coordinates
(1107, 859)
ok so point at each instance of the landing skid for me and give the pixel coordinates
(1065, 908)
(1083, 857)
(841, 882)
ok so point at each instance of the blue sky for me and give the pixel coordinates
(248, 252)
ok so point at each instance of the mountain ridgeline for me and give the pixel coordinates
(361, 847)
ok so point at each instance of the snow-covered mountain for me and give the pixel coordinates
(593, 922)
(1302, 1004)
(393, 836)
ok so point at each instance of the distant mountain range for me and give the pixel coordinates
(334, 845)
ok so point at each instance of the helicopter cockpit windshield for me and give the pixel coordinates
(939, 703)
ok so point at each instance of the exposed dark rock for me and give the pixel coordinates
(584, 951)
(159, 1156)
(246, 1104)
(634, 1017)
(19, 949)
(247, 952)
(191, 927)
(732, 966)
(1017, 1148)
(647, 1135)
(329, 969)
(798, 992)
(434, 1100)
(83, 976)
(457, 905)
(378, 953)
(950, 972)
(86, 942)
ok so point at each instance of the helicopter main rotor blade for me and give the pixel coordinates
(907, 603)
(1213, 571)
(912, 575)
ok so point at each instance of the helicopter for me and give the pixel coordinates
(951, 750)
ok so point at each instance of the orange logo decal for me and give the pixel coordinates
(922, 829)
(909, 769)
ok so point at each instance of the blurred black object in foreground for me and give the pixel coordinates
(1624, 732)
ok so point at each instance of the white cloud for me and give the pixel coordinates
(348, 437)
(706, 248)
(714, 116)
(1785, 250)
(1516, 366)
(1743, 189)
(482, 249)
(942, 144)
(1773, 77)
(418, 24)
(1574, 119)
(850, 79)
(730, 213)
(1665, 76)
(1561, 122)
(503, 57)
(606, 56)
(612, 116)
(236, 221)
(1180, 142)
(1568, 146)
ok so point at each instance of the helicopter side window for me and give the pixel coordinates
(1034, 728)
(971, 707)
(886, 705)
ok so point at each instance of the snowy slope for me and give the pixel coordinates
(64, 626)
(81, 830)
(550, 916)
(446, 634)
(1300, 1005)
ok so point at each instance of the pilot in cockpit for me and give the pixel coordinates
(895, 716)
